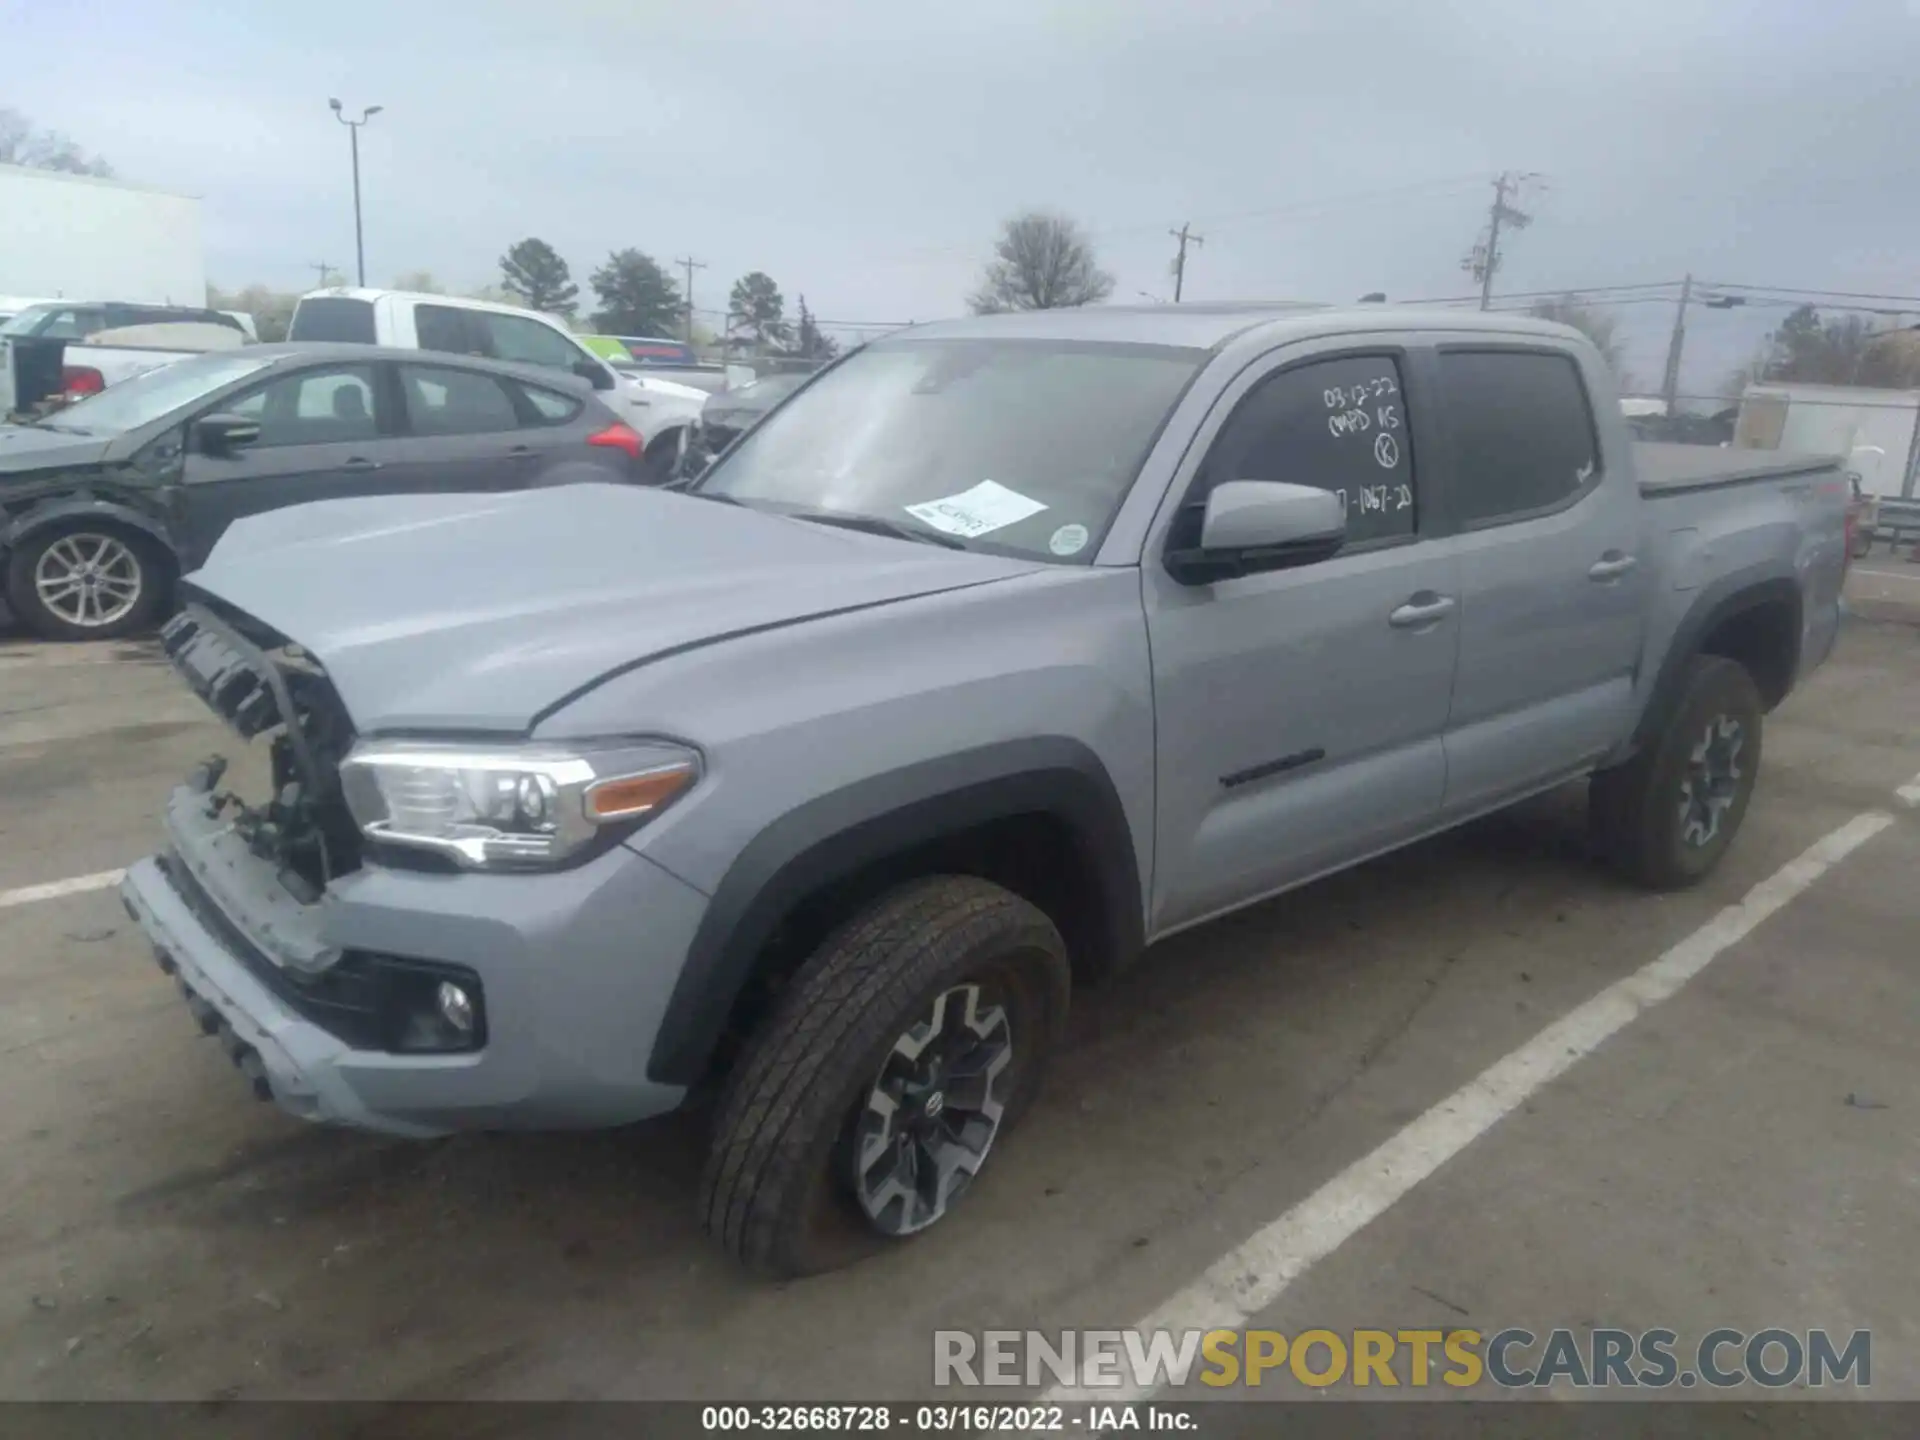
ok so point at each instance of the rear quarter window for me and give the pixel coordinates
(550, 407)
(333, 320)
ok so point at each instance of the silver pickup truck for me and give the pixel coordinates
(1002, 650)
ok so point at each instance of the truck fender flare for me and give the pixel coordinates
(1725, 598)
(33, 521)
(837, 834)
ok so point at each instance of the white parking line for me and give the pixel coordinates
(1256, 1273)
(54, 889)
(1910, 792)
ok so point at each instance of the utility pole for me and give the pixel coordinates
(325, 272)
(1185, 236)
(689, 264)
(1670, 385)
(353, 128)
(1484, 259)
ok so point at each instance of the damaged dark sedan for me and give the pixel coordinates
(104, 504)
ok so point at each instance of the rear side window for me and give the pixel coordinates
(1338, 425)
(1523, 437)
(527, 341)
(443, 328)
(331, 320)
(456, 402)
(550, 406)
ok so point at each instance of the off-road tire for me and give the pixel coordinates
(23, 598)
(1634, 810)
(776, 1192)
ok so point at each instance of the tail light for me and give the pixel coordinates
(78, 380)
(619, 436)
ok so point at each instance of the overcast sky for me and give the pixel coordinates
(864, 151)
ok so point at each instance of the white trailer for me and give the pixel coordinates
(1875, 429)
(76, 237)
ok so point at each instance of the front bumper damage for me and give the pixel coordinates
(570, 970)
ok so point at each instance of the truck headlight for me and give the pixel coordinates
(530, 807)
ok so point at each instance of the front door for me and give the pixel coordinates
(1300, 713)
(320, 438)
(1554, 586)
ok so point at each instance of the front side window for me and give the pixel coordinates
(443, 401)
(528, 341)
(1022, 446)
(315, 407)
(1523, 437)
(1338, 425)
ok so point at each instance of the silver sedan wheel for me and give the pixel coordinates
(89, 579)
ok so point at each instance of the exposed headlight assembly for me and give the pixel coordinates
(510, 808)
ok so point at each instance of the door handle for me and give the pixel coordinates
(519, 451)
(1423, 609)
(359, 462)
(1611, 566)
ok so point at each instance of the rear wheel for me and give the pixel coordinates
(85, 582)
(1667, 816)
(870, 1100)
(663, 460)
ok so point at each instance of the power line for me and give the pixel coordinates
(1484, 259)
(689, 264)
(1914, 300)
(1185, 237)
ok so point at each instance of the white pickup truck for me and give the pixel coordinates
(61, 350)
(663, 411)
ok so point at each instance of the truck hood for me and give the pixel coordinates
(483, 612)
(28, 448)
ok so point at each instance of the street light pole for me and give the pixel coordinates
(353, 129)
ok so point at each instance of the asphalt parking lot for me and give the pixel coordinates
(1742, 1154)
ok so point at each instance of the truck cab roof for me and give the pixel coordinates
(1210, 326)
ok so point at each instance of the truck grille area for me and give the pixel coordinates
(263, 685)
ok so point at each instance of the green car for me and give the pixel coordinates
(607, 347)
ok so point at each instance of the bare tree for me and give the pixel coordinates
(21, 144)
(1597, 326)
(1042, 261)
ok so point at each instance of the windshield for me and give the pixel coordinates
(40, 319)
(1023, 446)
(146, 398)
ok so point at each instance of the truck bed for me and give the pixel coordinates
(1670, 469)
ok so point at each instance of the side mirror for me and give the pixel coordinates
(221, 435)
(594, 373)
(1256, 525)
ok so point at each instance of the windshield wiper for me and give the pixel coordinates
(877, 525)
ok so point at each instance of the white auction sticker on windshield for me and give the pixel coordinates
(987, 506)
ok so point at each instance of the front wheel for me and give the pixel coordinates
(85, 582)
(871, 1098)
(1667, 816)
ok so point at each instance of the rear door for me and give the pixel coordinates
(464, 430)
(1553, 584)
(323, 435)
